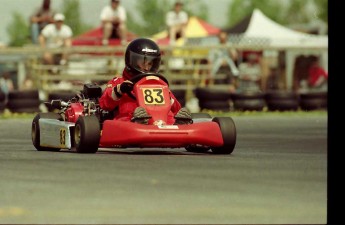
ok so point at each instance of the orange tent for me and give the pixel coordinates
(196, 27)
(94, 37)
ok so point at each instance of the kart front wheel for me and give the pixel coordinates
(36, 131)
(228, 129)
(87, 134)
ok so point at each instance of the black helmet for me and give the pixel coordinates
(144, 51)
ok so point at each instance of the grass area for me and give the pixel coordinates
(8, 115)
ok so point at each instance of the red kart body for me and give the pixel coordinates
(153, 94)
(207, 133)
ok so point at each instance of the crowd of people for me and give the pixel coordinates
(113, 20)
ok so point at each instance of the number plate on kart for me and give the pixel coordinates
(153, 96)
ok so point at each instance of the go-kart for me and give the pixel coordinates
(81, 125)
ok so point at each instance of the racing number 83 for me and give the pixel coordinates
(153, 96)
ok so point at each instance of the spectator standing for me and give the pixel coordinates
(6, 85)
(221, 59)
(176, 20)
(56, 35)
(317, 76)
(250, 74)
(39, 19)
(113, 18)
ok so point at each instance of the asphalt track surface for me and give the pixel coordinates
(277, 174)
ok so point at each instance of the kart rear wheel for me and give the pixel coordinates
(228, 129)
(87, 134)
(35, 130)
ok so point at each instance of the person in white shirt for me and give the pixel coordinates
(56, 35)
(113, 18)
(176, 20)
(250, 75)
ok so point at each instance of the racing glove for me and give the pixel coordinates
(124, 87)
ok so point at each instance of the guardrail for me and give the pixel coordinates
(183, 66)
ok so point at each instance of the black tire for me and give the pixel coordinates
(35, 130)
(281, 95)
(221, 105)
(249, 104)
(2, 106)
(249, 100)
(87, 134)
(2, 96)
(314, 95)
(28, 94)
(313, 100)
(206, 94)
(283, 105)
(228, 129)
(313, 104)
(247, 95)
(23, 103)
(282, 100)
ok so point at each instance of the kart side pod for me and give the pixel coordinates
(55, 133)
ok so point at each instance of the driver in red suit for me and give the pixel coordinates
(142, 56)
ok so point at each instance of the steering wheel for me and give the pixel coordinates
(138, 77)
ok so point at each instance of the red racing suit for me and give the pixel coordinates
(126, 105)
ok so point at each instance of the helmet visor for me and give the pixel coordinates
(144, 63)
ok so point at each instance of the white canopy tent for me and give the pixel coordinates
(262, 27)
(278, 36)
